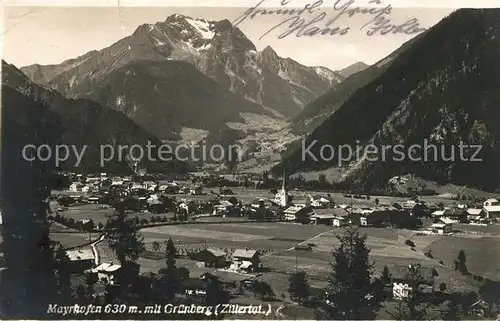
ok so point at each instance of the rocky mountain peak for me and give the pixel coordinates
(269, 51)
(218, 49)
(230, 36)
(224, 25)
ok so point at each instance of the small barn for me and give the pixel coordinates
(81, 259)
(246, 260)
(211, 257)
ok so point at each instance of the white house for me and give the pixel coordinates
(151, 186)
(117, 182)
(196, 190)
(443, 226)
(108, 272)
(492, 212)
(298, 213)
(246, 260)
(439, 213)
(474, 214)
(408, 205)
(89, 188)
(491, 202)
(184, 206)
(320, 202)
(367, 210)
(339, 221)
(325, 219)
(76, 187)
(223, 206)
(315, 203)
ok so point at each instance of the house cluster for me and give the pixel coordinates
(197, 287)
(403, 214)
(241, 260)
(154, 196)
(86, 259)
(488, 212)
(348, 214)
(102, 184)
(139, 194)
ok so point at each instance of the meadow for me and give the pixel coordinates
(278, 240)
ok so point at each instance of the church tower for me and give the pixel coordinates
(284, 192)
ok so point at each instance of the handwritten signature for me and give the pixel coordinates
(310, 20)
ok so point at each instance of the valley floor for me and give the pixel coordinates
(277, 241)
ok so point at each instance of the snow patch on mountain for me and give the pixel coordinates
(158, 42)
(327, 74)
(205, 47)
(120, 101)
(251, 63)
(189, 135)
(283, 75)
(72, 81)
(203, 27)
(297, 101)
(77, 63)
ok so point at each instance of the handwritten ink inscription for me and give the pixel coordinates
(312, 20)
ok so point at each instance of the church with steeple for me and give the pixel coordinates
(282, 197)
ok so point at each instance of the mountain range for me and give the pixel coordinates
(189, 79)
(357, 76)
(443, 87)
(187, 75)
(79, 122)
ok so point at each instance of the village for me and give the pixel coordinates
(253, 239)
(191, 201)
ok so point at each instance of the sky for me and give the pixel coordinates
(50, 35)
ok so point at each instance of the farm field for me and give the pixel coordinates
(483, 253)
(98, 213)
(86, 211)
(70, 239)
(387, 245)
(277, 241)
